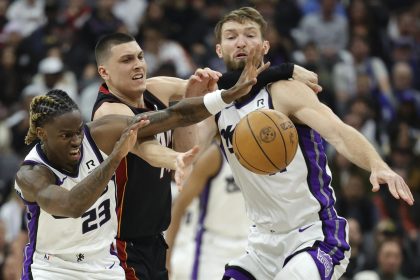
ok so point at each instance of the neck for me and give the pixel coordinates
(69, 169)
(133, 101)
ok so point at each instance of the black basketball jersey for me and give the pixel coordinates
(143, 191)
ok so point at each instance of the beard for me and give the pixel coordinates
(232, 65)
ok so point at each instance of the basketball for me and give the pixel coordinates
(265, 141)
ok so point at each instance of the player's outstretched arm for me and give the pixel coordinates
(193, 110)
(304, 106)
(38, 183)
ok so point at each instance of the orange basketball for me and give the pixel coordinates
(265, 141)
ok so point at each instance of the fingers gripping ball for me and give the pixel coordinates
(265, 141)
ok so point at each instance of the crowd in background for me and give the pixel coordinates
(366, 54)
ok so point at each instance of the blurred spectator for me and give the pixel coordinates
(102, 21)
(9, 162)
(158, 50)
(18, 122)
(346, 72)
(311, 58)
(29, 14)
(10, 81)
(3, 245)
(52, 75)
(355, 202)
(390, 259)
(11, 214)
(326, 28)
(131, 13)
(75, 14)
(358, 260)
(402, 80)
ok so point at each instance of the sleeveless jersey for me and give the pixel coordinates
(300, 195)
(88, 235)
(223, 198)
(143, 191)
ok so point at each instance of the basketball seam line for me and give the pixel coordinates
(239, 151)
(282, 138)
(255, 138)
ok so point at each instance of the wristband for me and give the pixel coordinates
(214, 102)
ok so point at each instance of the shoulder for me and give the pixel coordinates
(166, 88)
(32, 177)
(108, 108)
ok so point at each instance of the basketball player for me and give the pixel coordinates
(72, 221)
(297, 232)
(222, 224)
(144, 197)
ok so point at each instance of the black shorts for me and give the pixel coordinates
(144, 258)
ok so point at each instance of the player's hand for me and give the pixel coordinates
(253, 67)
(396, 184)
(202, 82)
(184, 166)
(128, 138)
(307, 77)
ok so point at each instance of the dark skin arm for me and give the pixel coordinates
(38, 183)
(186, 112)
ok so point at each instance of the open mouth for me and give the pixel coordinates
(241, 55)
(75, 154)
(138, 77)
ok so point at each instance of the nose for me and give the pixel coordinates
(240, 42)
(76, 139)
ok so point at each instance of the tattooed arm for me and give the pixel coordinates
(38, 183)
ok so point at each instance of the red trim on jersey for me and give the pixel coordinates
(121, 178)
(103, 89)
(130, 273)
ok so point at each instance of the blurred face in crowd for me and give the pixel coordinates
(402, 76)
(390, 257)
(124, 70)
(237, 39)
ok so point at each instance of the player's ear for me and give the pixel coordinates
(103, 72)
(219, 50)
(41, 134)
(266, 46)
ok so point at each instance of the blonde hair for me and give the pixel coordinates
(44, 108)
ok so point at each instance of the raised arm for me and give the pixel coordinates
(305, 107)
(38, 183)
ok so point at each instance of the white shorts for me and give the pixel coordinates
(269, 253)
(205, 259)
(49, 267)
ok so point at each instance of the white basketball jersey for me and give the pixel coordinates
(88, 235)
(222, 207)
(284, 201)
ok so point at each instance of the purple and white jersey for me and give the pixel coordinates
(298, 196)
(74, 238)
(223, 198)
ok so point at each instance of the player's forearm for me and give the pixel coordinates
(85, 193)
(156, 154)
(185, 138)
(356, 148)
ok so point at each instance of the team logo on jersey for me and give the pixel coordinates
(326, 260)
(227, 136)
(260, 102)
(90, 164)
(80, 257)
(267, 134)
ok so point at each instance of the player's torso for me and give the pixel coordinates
(94, 231)
(287, 199)
(143, 191)
(222, 208)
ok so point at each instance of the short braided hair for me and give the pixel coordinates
(44, 108)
